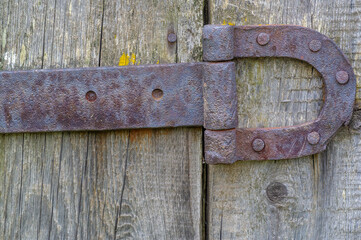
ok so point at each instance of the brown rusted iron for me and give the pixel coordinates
(283, 142)
(150, 96)
(101, 98)
(190, 94)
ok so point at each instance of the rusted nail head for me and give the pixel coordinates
(315, 45)
(172, 37)
(313, 138)
(91, 96)
(258, 145)
(263, 39)
(342, 77)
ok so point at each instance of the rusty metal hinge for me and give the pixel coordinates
(187, 94)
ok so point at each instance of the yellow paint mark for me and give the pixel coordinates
(132, 58)
(245, 19)
(229, 23)
(124, 60)
(115, 36)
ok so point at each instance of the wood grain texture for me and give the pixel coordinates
(322, 199)
(161, 198)
(137, 184)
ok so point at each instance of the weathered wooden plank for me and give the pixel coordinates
(143, 184)
(22, 29)
(315, 197)
(42, 180)
(161, 178)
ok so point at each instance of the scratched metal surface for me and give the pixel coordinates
(101, 98)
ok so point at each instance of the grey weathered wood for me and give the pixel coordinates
(323, 198)
(146, 183)
(137, 184)
(161, 198)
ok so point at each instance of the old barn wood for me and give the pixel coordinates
(150, 184)
(194, 94)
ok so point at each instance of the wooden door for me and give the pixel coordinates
(315, 197)
(136, 184)
(151, 184)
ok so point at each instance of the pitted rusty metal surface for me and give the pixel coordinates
(218, 42)
(293, 141)
(106, 98)
(101, 98)
(220, 96)
(193, 94)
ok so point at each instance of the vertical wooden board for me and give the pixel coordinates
(11, 185)
(339, 179)
(21, 48)
(314, 197)
(22, 29)
(106, 185)
(72, 38)
(72, 33)
(42, 173)
(136, 32)
(160, 184)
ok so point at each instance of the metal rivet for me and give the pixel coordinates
(313, 138)
(157, 94)
(315, 45)
(342, 77)
(91, 96)
(258, 145)
(172, 37)
(263, 39)
(276, 192)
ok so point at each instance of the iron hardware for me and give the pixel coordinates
(187, 94)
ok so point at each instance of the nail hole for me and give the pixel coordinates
(91, 96)
(157, 94)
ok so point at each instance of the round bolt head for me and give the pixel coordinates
(342, 77)
(262, 39)
(315, 45)
(313, 138)
(172, 37)
(258, 145)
